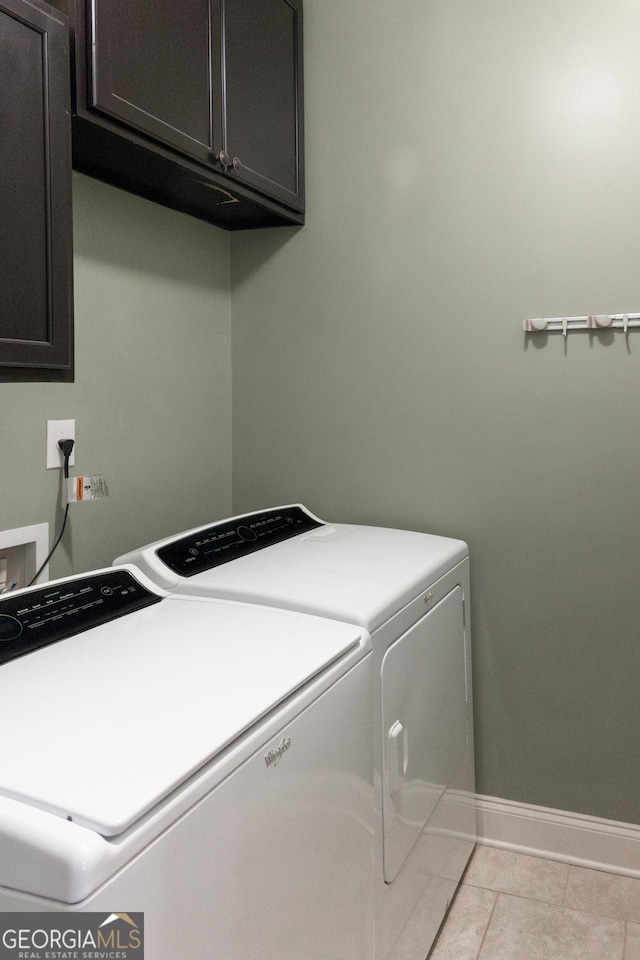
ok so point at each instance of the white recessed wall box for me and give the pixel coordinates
(22, 551)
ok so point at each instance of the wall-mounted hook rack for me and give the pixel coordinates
(565, 325)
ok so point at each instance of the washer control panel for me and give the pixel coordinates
(231, 539)
(42, 616)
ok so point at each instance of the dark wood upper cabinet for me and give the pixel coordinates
(35, 194)
(196, 104)
(261, 87)
(150, 67)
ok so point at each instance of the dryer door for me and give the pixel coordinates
(425, 724)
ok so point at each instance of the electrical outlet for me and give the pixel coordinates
(59, 430)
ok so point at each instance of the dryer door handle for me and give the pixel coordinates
(398, 756)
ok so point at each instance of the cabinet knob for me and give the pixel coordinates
(237, 165)
(223, 158)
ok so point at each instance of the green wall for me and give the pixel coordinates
(470, 165)
(152, 397)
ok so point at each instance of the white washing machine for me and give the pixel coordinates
(205, 763)
(411, 592)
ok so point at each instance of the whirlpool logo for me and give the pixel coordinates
(273, 757)
(77, 936)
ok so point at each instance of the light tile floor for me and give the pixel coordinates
(514, 907)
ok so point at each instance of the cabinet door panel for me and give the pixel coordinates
(23, 237)
(151, 68)
(35, 195)
(262, 67)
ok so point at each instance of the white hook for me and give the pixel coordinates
(602, 321)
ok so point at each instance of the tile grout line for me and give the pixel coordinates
(566, 887)
(486, 929)
(561, 905)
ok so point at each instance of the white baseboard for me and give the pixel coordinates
(558, 835)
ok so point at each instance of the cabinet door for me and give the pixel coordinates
(151, 68)
(35, 194)
(261, 88)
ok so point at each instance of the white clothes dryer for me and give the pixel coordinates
(204, 763)
(411, 592)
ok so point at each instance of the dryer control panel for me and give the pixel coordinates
(230, 539)
(34, 619)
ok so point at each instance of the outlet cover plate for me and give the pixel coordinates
(59, 430)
